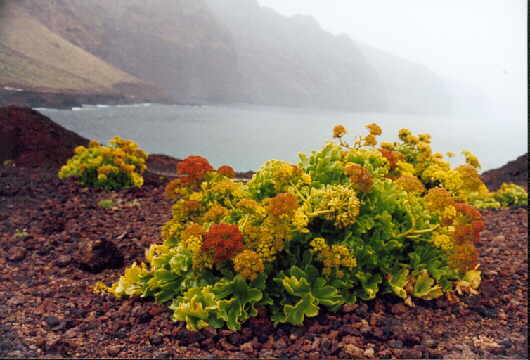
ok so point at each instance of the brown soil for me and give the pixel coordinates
(49, 310)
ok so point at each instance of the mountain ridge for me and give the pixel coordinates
(230, 51)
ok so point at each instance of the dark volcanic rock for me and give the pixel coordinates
(31, 139)
(96, 255)
(162, 163)
(515, 172)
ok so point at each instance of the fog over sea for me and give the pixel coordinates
(245, 136)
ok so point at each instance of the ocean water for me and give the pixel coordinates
(245, 136)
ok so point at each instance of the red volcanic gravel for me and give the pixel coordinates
(48, 309)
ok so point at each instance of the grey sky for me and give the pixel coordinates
(481, 43)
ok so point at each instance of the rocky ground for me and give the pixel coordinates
(54, 235)
(48, 230)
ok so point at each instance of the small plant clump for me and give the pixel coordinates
(511, 195)
(106, 203)
(117, 166)
(345, 224)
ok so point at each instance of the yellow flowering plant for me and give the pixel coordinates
(344, 224)
(117, 166)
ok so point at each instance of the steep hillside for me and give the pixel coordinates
(176, 45)
(34, 58)
(223, 51)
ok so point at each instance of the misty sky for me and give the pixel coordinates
(479, 43)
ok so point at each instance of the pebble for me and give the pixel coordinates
(16, 254)
(156, 339)
(369, 352)
(353, 351)
(349, 307)
(114, 350)
(63, 260)
(247, 347)
(399, 308)
(396, 344)
(506, 343)
(499, 239)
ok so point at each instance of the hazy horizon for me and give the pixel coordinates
(478, 46)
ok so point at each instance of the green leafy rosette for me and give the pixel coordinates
(345, 224)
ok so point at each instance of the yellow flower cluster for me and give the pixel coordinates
(191, 237)
(442, 241)
(426, 138)
(332, 257)
(249, 264)
(280, 175)
(251, 206)
(171, 229)
(336, 203)
(404, 168)
(370, 140)
(404, 134)
(438, 198)
(267, 238)
(116, 166)
(387, 145)
(471, 159)
(470, 178)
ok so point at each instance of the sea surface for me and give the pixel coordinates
(245, 136)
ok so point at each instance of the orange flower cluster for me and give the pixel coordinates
(194, 166)
(170, 191)
(190, 206)
(360, 177)
(224, 241)
(410, 184)
(392, 156)
(471, 230)
(215, 213)
(192, 230)
(338, 131)
(227, 171)
(283, 203)
(464, 257)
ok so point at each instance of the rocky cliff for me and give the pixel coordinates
(224, 51)
(36, 60)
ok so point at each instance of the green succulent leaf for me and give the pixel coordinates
(425, 288)
(296, 313)
(369, 285)
(132, 282)
(398, 281)
(198, 308)
(238, 301)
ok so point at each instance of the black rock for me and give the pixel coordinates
(52, 321)
(96, 255)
